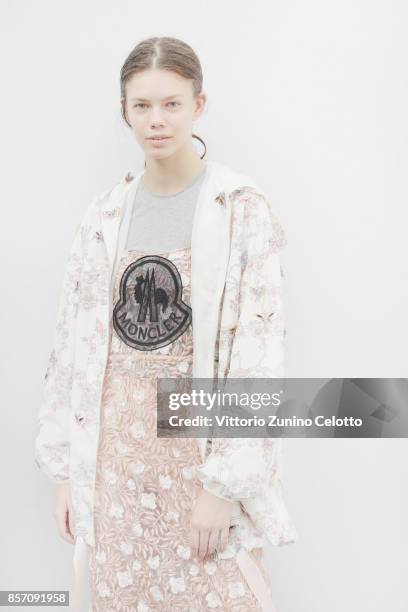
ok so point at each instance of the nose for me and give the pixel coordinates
(156, 118)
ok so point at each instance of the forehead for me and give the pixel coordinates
(158, 84)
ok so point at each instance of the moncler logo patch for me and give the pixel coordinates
(150, 312)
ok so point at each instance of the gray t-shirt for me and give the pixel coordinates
(161, 223)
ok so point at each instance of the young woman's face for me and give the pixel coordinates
(161, 103)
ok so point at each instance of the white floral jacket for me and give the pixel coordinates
(239, 330)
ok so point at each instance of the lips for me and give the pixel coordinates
(158, 137)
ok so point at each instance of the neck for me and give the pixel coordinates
(174, 173)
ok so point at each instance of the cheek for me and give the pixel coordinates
(138, 126)
(182, 125)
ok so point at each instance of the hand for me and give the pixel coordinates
(64, 514)
(210, 523)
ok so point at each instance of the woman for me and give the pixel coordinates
(185, 245)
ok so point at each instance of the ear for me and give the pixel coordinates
(200, 104)
(123, 106)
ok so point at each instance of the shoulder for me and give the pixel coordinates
(251, 205)
(244, 189)
(120, 187)
(108, 198)
(230, 179)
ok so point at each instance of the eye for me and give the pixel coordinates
(174, 102)
(139, 104)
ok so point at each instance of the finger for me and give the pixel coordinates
(203, 543)
(71, 516)
(71, 522)
(194, 540)
(67, 533)
(61, 518)
(213, 541)
(224, 535)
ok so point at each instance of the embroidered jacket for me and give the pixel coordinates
(239, 329)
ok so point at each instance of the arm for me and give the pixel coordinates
(52, 442)
(239, 469)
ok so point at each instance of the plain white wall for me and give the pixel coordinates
(310, 99)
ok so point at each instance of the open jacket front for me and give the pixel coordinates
(239, 330)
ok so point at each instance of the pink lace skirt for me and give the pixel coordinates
(145, 491)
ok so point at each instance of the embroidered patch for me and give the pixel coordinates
(150, 312)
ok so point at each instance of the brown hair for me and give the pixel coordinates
(166, 53)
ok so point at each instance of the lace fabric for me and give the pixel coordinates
(146, 486)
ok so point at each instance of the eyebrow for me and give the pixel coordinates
(147, 100)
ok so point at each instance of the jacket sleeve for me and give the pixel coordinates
(52, 443)
(241, 468)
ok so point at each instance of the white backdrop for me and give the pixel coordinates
(310, 99)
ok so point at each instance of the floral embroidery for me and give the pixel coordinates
(249, 343)
(145, 496)
(114, 212)
(221, 199)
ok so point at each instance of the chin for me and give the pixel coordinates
(160, 154)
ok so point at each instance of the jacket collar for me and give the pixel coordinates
(116, 209)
